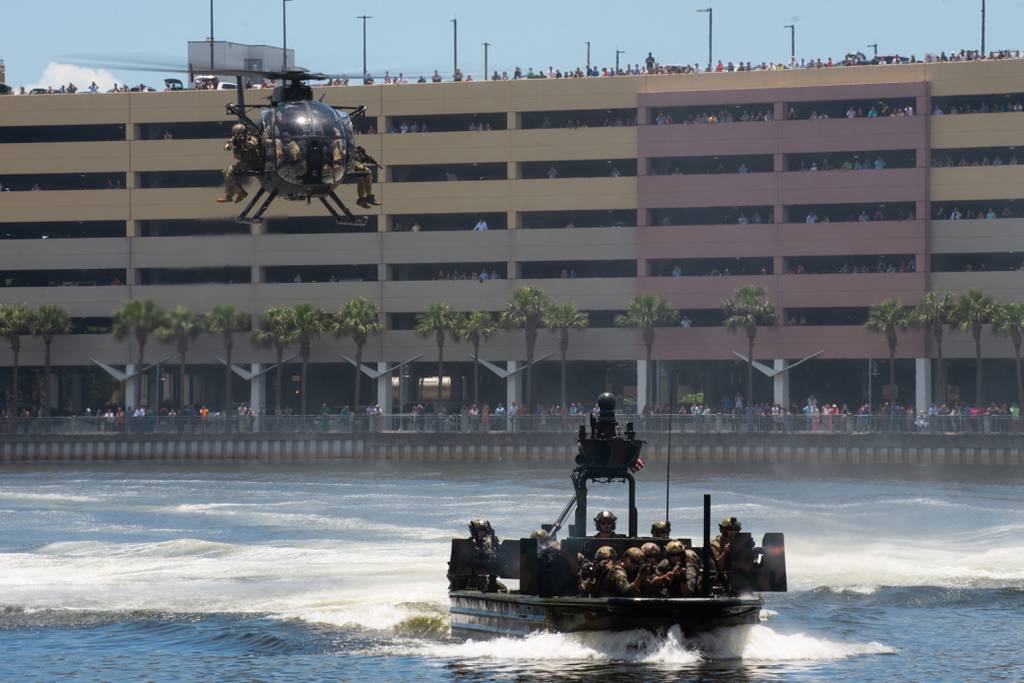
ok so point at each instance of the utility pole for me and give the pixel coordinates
(617, 53)
(486, 71)
(982, 28)
(364, 18)
(874, 46)
(588, 54)
(792, 40)
(711, 13)
(211, 36)
(284, 34)
(455, 46)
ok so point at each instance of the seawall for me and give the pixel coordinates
(868, 449)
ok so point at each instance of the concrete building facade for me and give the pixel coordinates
(834, 188)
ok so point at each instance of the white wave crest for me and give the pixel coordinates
(47, 497)
(749, 643)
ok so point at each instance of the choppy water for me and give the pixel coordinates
(337, 573)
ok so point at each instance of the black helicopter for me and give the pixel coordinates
(306, 147)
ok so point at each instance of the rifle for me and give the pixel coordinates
(561, 518)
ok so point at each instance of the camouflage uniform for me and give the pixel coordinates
(362, 166)
(246, 148)
(614, 582)
(680, 580)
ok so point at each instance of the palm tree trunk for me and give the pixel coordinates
(228, 348)
(750, 371)
(305, 369)
(46, 378)
(564, 406)
(139, 377)
(359, 378)
(977, 369)
(181, 381)
(531, 343)
(278, 379)
(892, 365)
(647, 375)
(476, 374)
(1020, 384)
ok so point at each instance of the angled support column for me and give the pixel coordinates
(780, 384)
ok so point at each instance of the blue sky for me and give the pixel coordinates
(416, 37)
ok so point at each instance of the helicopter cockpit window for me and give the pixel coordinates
(309, 143)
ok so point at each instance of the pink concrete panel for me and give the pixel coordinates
(700, 241)
(701, 292)
(858, 91)
(739, 189)
(754, 137)
(848, 187)
(828, 135)
(861, 289)
(791, 343)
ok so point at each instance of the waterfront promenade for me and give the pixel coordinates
(859, 440)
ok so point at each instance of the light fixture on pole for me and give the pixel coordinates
(486, 45)
(284, 34)
(711, 13)
(211, 36)
(455, 46)
(792, 40)
(982, 28)
(874, 46)
(617, 53)
(364, 18)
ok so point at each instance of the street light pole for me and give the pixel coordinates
(211, 36)
(617, 53)
(588, 54)
(792, 40)
(711, 13)
(364, 18)
(284, 34)
(874, 46)
(486, 70)
(982, 28)
(455, 46)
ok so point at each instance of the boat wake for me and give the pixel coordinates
(757, 643)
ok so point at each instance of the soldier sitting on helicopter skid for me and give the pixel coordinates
(245, 147)
(362, 166)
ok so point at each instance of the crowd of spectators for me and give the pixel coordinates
(569, 123)
(982, 107)
(650, 66)
(715, 116)
(946, 160)
(862, 216)
(968, 214)
(854, 162)
(882, 109)
(455, 274)
(883, 265)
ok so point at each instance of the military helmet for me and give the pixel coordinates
(605, 516)
(674, 548)
(605, 552)
(238, 129)
(651, 550)
(730, 524)
(661, 529)
(635, 554)
(476, 524)
(540, 535)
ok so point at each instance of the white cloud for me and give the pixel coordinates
(57, 74)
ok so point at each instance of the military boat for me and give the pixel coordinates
(548, 597)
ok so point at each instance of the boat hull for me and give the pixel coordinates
(475, 614)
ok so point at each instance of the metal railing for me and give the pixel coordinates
(501, 424)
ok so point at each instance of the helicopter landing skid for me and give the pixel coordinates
(349, 218)
(258, 216)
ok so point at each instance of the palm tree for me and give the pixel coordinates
(646, 312)
(310, 322)
(475, 328)
(1009, 320)
(138, 319)
(562, 318)
(747, 309)
(934, 313)
(438, 320)
(889, 318)
(359, 319)
(526, 309)
(181, 326)
(276, 329)
(15, 321)
(48, 321)
(223, 321)
(974, 310)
